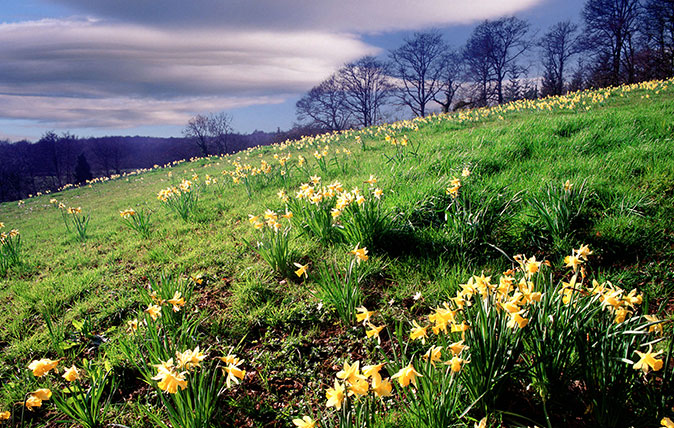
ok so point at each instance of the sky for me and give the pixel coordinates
(142, 67)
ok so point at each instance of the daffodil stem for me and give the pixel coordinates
(545, 412)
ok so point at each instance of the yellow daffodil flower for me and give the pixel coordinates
(655, 327)
(648, 360)
(583, 252)
(234, 374)
(456, 363)
(457, 347)
(363, 315)
(372, 371)
(407, 375)
(32, 401)
(374, 330)
(360, 253)
(516, 320)
(382, 389)
(177, 301)
(132, 325)
(4, 416)
(434, 354)
(572, 261)
(231, 359)
(43, 366)
(305, 422)
(190, 358)
(71, 374)
(359, 388)
(418, 332)
(351, 373)
(154, 311)
(302, 270)
(335, 396)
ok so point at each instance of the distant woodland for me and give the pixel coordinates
(58, 159)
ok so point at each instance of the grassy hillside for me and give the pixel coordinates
(461, 195)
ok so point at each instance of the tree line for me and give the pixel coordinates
(616, 42)
(59, 159)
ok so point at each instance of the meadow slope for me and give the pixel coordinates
(443, 198)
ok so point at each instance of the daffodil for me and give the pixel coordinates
(132, 325)
(302, 270)
(372, 371)
(32, 401)
(177, 301)
(516, 320)
(36, 398)
(71, 374)
(407, 375)
(647, 360)
(418, 332)
(573, 262)
(434, 354)
(359, 388)
(350, 373)
(383, 388)
(360, 254)
(457, 347)
(190, 358)
(169, 378)
(43, 366)
(374, 330)
(363, 315)
(305, 422)
(655, 327)
(4, 416)
(335, 396)
(583, 251)
(456, 363)
(666, 423)
(234, 374)
(231, 359)
(154, 311)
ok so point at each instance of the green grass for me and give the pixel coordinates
(621, 148)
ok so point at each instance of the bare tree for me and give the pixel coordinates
(220, 128)
(493, 52)
(206, 130)
(558, 45)
(610, 26)
(508, 43)
(657, 26)
(367, 87)
(48, 143)
(325, 106)
(476, 58)
(419, 64)
(451, 80)
(197, 130)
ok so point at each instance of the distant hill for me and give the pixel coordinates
(28, 168)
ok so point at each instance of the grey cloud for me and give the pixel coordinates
(102, 73)
(325, 15)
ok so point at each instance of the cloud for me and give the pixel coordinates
(105, 73)
(117, 112)
(139, 62)
(360, 16)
